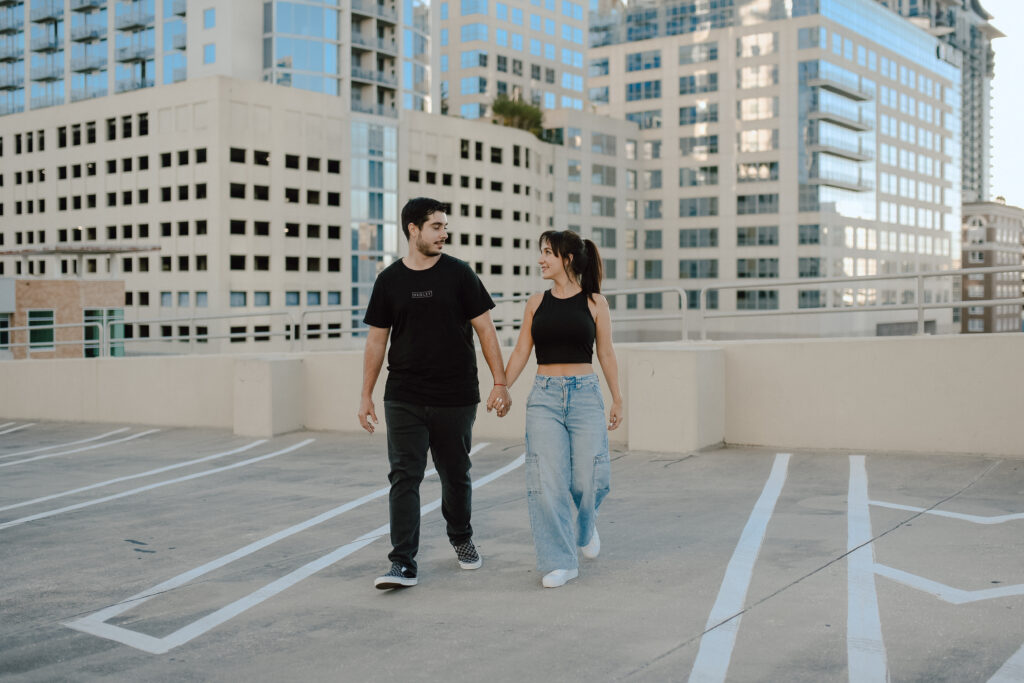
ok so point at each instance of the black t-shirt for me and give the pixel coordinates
(432, 360)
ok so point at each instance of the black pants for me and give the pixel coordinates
(448, 432)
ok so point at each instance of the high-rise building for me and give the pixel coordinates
(159, 103)
(531, 51)
(789, 141)
(993, 235)
(964, 28)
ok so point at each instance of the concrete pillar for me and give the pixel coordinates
(676, 398)
(269, 396)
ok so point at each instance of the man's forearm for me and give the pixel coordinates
(373, 361)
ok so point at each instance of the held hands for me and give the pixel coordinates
(615, 416)
(366, 414)
(499, 400)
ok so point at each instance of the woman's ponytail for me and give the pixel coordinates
(592, 271)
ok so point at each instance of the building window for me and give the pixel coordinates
(41, 336)
(237, 299)
(757, 299)
(209, 53)
(209, 18)
(763, 235)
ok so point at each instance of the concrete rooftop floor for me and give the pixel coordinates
(141, 554)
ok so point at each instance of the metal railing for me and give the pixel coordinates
(290, 333)
(50, 345)
(919, 304)
(298, 328)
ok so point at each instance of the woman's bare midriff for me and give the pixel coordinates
(565, 369)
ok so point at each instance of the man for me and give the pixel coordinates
(429, 303)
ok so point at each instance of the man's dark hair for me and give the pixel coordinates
(418, 210)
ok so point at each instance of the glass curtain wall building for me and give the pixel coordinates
(531, 50)
(964, 28)
(793, 140)
(301, 46)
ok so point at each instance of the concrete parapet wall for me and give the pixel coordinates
(953, 394)
(180, 391)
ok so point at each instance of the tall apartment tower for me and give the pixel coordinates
(789, 141)
(963, 26)
(149, 134)
(993, 236)
(531, 50)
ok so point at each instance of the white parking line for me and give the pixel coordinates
(132, 492)
(149, 473)
(955, 596)
(184, 578)
(716, 645)
(865, 649)
(63, 445)
(17, 429)
(1012, 671)
(83, 448)
(976, 519)
(95, 623)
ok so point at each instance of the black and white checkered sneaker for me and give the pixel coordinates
(398, 577)
(469, 558)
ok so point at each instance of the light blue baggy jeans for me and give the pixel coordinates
(567, 465)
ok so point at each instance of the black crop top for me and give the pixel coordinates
(563, 330)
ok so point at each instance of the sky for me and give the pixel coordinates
(1008, 101)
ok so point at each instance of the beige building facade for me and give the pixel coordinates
(208, 198)
(993, 235)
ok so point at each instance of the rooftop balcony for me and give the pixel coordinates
(889, 559)
(375, 109)
(373, 76)
(10, 51)
(47, 100)
(840, 81)
(47, 11)
(130, 84)
(843, 181)
(79, 94)
(374, 9)
(11, 22)
(48, 71)
(134, 20)
(47, 43)
(859, 151)
(848, 117)
(11, 79)
(88, 63)
(362, 40)
(87, 5)
(88, 33)
(135, 53)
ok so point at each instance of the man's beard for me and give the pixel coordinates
(427, 248)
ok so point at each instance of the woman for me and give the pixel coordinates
(566, 441)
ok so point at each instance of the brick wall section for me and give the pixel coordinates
(68, 299)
